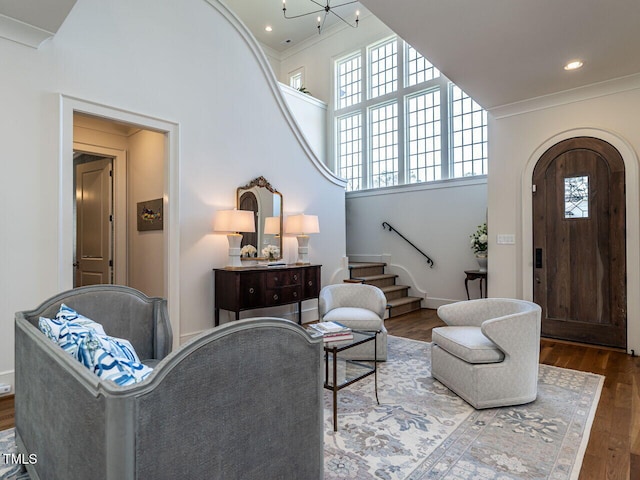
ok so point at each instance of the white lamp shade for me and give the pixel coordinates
(234, 221)
(302, 224)
(272, 226)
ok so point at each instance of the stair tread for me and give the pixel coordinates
(403, 301)
(366, 264)
(370, 278)
(394, 288)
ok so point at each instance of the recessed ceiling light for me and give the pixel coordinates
(268, 28)
(574, 65)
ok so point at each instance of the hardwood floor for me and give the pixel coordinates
(613, 451)
(6, 412)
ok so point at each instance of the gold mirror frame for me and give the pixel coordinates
(265, 201)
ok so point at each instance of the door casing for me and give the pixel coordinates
(94, 221)
(120, 250)
(171, 207)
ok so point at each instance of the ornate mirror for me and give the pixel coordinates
(266, 203)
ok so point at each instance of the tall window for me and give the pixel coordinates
(296, 78)
(423, 136)
(398, 120)
(348, 73)
(384, 145)
(350, 152)
(468, 135)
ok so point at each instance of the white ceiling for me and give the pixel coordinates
(502, 52)
(257, 14)
(498, 51)
(47, 15)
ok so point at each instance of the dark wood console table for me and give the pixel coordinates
(246, 288)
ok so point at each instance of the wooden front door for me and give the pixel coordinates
(579, 242)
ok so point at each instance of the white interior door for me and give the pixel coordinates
(94, 233)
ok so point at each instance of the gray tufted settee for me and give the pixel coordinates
(241, 401)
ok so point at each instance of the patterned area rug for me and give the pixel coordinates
(422, 431)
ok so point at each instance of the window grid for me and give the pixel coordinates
(418, 68)
(422, 155)
(350, 150)
(383, 124)
(383, 68)
(468, 135)
(423, 128)
(295, 81)
(349, 81)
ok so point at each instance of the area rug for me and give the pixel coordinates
(422, 431)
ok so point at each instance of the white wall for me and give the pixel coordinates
(162, 60)
(311, 115)
(317, 55)
(438, 219)
(146, 182)
(518, 135)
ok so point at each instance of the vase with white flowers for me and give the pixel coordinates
(248, 251)
(479, 245)
(271, 252)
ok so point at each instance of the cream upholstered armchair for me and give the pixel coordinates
(489, 352)
(359, 307)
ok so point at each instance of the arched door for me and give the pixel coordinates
(579, 242)
(248, 201)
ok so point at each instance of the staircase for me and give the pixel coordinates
(398, 300)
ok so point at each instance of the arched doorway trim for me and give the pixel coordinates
(633, 222)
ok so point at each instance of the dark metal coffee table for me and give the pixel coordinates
(345, 372)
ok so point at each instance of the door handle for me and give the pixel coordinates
(538, 258)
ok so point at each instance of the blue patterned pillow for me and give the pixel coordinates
(111, 358)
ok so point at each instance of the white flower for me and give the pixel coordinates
(271, 251)
(479, 240)
(248, 251)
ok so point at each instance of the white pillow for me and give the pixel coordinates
(111, 358)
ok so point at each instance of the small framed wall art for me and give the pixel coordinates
(149, 215)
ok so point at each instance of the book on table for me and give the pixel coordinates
(331, 331)
(337, 337)
(329, 328)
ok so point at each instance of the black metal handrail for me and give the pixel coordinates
(386, 225)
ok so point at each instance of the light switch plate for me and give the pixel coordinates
(506, 239)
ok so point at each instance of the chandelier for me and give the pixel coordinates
(327, 9)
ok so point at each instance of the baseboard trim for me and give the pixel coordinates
(8, 378)
(434, 303)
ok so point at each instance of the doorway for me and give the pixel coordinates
(579, 242)
(169, 167)
(117, 167)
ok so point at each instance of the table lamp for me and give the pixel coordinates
(234, 221)
(272, 226)
(302, 225)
